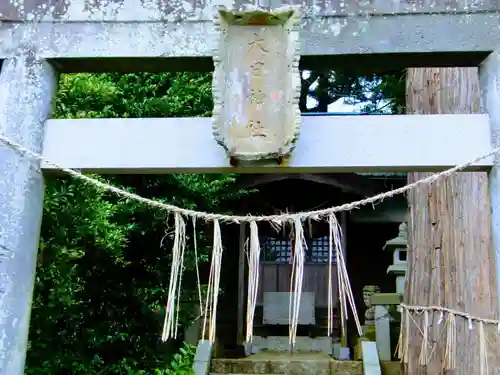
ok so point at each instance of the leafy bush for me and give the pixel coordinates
(182, 362)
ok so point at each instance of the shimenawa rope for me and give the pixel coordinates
(290, 217)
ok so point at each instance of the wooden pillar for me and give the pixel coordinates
(27, 86)
(489, 76)
(450, 259)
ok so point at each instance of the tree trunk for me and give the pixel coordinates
(451, 259)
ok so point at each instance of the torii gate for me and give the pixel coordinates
(137, 36)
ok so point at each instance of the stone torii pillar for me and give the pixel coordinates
(27, 86)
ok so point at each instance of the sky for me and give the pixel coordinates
(339, 105)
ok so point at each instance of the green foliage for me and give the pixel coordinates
(134, 95)
(103, 264)
(182, 362)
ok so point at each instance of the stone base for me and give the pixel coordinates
(202, 358)
(341, 353)
(281, 344)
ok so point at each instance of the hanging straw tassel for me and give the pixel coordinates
(210, 315)
(483, 353)
(451, 343)
(345, 290)
(174, 288)
(423, 359)
(404, 333)
(406, 340)
(296, 280)
(400, 344)
(335, 243)
(198, 282)
(330, 284)
(253, 278)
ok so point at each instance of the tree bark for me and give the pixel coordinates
(451, 259)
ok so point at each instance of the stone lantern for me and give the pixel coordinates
(256, 83)
(399, 247)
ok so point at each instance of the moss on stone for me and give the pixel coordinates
(391, 368)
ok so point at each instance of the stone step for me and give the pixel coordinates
(279, 363)
(302, 344)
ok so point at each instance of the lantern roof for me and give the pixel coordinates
(401, 240)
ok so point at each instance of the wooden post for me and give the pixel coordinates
(489, 73)
(451, 260)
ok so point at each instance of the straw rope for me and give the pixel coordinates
(469, 317)
(285, 217)
(449, 331)
(209, 308)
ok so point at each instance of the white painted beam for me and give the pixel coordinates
(326, 144)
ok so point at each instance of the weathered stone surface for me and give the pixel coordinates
(121, 10)
(221, 366)
(116, 10)
(300, 367)
(27, 86)
(143, 35)
(346, 367)
(249, 366)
